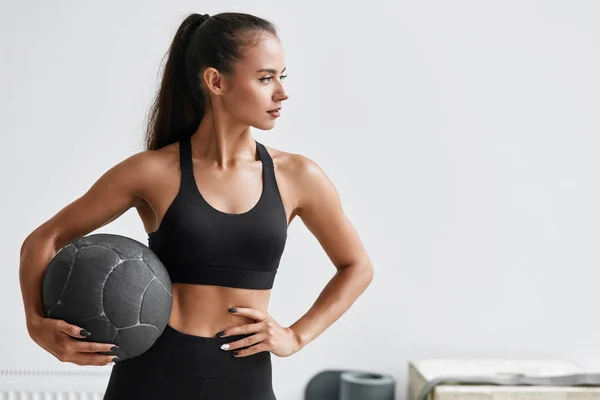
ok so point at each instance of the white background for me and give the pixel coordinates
(462, 137)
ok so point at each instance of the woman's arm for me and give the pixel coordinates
(319, 206)
(112, 195)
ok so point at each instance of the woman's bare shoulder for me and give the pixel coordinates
(296, 175)
(284, 160)
(293, 165)
(147, 167)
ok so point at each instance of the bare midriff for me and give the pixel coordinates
(202, 310)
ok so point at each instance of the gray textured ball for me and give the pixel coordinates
(113, 286)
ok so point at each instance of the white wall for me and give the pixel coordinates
(462, 137)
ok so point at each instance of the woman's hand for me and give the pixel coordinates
(268, 335)
(58, 338)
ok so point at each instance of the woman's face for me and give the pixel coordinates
(256, 86)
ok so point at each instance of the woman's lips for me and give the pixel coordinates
(275, 112)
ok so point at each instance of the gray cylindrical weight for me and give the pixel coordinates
(366, 385)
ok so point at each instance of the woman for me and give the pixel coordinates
(216, 205)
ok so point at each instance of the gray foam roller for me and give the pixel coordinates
(366, 385)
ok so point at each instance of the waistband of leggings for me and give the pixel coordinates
(172, 332)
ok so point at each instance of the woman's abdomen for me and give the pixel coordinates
(202, 310)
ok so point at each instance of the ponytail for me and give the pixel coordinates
(175, 112)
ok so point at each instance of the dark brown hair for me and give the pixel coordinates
(200, 42)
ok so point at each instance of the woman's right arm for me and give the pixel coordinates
(116, 191)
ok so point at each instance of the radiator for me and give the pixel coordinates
(55, 384)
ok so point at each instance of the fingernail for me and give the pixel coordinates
(235, 353)
(220, 333)
(232, 309)
(225, 346)
(114, 348)
(84, 333)
(116, 359)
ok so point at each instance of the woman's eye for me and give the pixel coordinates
(267, 78)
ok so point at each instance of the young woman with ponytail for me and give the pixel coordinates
(216, 205)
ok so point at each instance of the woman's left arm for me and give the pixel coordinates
(319, 206)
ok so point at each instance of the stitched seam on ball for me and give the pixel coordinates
(66, 280)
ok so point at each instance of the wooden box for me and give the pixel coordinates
(421, 372)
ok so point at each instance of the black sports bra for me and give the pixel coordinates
(202, 245)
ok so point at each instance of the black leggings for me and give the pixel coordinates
(181, 366)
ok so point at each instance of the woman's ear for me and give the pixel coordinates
(214, 81)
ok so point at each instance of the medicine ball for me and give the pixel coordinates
(114, 287)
